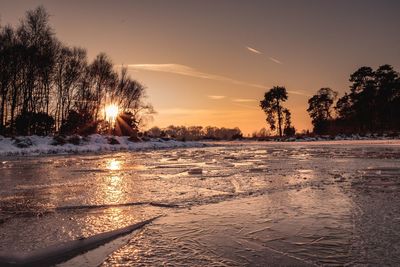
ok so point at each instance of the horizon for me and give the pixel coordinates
(197, 76)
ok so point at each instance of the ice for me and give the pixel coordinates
(195, 171)
(254, 203)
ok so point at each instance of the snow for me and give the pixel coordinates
(340, 137)
(47, 145)
(39, 145)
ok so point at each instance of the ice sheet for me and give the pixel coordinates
(296, 203)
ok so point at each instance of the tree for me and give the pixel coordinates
(70, 68)
(272, 106)
(288, 130)
(104, 81)
(387, 81)
(34, 123)
(363, 95)
(39, 55)
(373, 103)
(7, 39)
(263, 133)
(78, 123)
(320, 107)
(130, 96)
(155, 132)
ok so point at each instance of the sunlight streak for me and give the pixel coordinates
(111, 112)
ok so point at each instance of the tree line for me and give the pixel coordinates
(371, 106)
(47, 86)
(195, 133)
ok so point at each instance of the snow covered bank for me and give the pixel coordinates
(37, 145)
(340, 137)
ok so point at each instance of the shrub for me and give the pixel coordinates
(59, 140)
(78, 123)
(23, 142)
(112, 141)
(126, 125)
(75, 139)
(32, 123)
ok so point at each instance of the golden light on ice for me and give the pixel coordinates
(111, 113)
(114, 165)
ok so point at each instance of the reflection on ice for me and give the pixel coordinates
(240, 204)
(114, 190)
(113, 165)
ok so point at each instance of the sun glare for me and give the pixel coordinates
(114, 165)
(111, 112)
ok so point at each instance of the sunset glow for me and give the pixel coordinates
(111, 112)
(182, 62)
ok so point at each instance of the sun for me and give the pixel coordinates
(111, 112)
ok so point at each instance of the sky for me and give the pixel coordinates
(210, 62)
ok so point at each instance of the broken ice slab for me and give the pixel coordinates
(195, 171)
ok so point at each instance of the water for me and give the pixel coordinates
(236, 204)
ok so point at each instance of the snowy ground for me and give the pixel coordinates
(246, 203)
(37, 145)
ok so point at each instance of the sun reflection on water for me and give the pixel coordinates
(113, 188)
(113, 165)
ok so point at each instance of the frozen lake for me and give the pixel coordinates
(253, 204)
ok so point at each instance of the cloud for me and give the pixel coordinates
(192, 72)
(275, 60)
(253, 50)
(298, 93)
(216, 97)
(189, 71)
(243, 100)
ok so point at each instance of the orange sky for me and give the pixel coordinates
(210, 62)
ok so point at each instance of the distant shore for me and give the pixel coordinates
(339, 137)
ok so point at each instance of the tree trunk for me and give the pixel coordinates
(279, 118)
(2, 114)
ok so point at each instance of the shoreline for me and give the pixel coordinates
(37, 145)
(46, 146)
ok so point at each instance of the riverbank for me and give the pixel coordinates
(47, 145)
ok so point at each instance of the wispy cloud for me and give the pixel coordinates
(275, 60)
(243, 100)
(253, 50)
(192, 72)
(298, 93)
(216, 97)
(189, 71)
